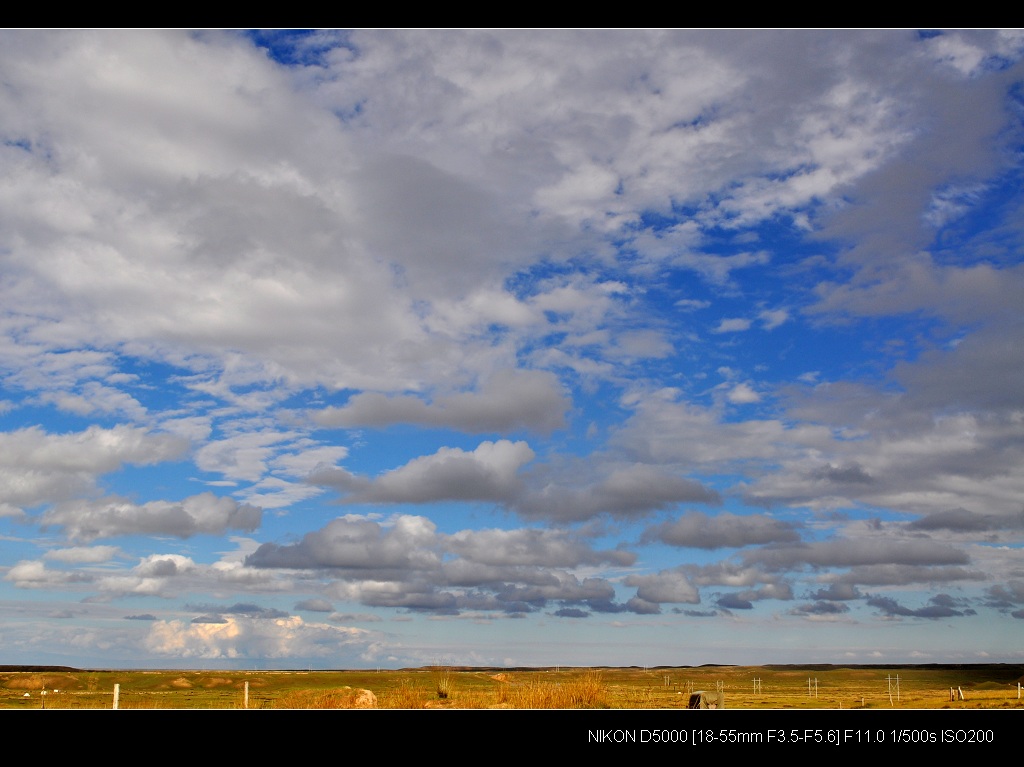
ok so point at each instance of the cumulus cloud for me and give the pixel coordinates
(36, 575)
(836, 592)
(171, 575)
(964, 521)
(524, 547)
(241, 637)
(37, 467)
(163, 566)
(488, 473)
(642, 606)
(671, 586)
(162, 575)
(821, 609)
(507, 401)
(743, 394)
(1006, 595)
(725, 530)
(112, 516)
(571, 612)
(712, 444)
(845, 444)
(852, 553)
(625, 491)
(357, 543)
(407, 564)
(938, 606)
(905, 575)
(734, 602)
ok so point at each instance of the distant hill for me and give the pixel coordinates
(37, 669)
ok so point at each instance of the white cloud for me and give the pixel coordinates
(35, 575)
(573, 493)
(772, 318)
(404, 563)
(37, 467)
(240, 637)
(113, 516)
(164, 566)
(698, 530)
(83, 554)
(743, 394)
(360, 543)
(668, 586)
(488, 473)
(506, 401)
(548, 548)
(733, 325)
(241, 456)
(97, 398)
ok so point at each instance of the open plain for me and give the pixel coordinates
(988, 686)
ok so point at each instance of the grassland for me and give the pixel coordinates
(744, 687)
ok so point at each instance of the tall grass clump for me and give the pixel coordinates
(585, 691)
(443, 682)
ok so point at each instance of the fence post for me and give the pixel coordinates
(117, 694)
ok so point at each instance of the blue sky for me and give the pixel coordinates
(387, 348)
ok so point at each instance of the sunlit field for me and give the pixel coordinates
(742, 687)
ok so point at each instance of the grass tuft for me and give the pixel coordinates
(443, 679)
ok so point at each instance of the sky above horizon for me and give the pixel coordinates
(379, 348)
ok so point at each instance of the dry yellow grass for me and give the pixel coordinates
(404, 695)
(344, 697)
(586, 690)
